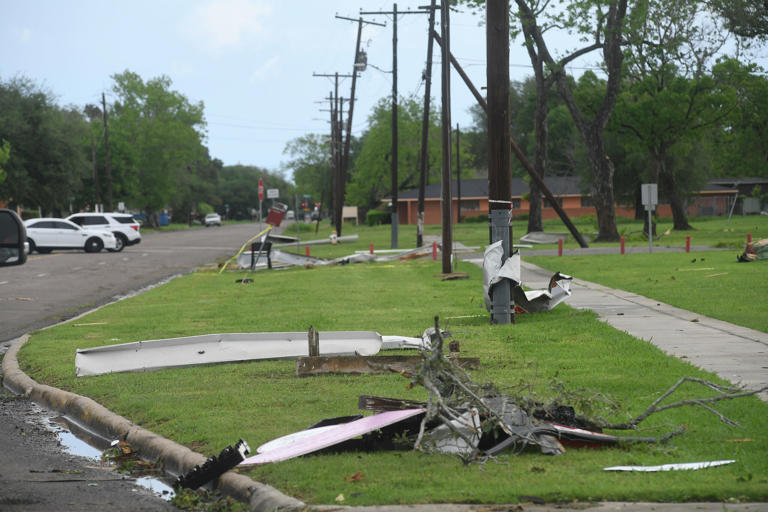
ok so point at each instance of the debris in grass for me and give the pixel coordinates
(519, 420)
(214, 466)
(149, 355)
(477, 421)
(362, 365)
(671, 467)
(534, 301)
(354, 478)
(754, 251)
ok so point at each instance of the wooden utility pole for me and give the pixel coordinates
(341, 186)
(108, 162)
(424, 160)
(394, 153)
(393, 164)
(445, 118)
(97, 194)
(499, 179)
(458, 175)
(336, 135)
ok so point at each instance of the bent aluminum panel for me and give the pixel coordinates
(151, 355)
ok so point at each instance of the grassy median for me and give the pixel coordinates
(563, 353)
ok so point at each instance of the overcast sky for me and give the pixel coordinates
(249, 61)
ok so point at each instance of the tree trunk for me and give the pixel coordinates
(602, 187)
(591, 130)
(679, 217)
(541, 132)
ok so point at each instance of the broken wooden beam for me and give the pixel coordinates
(373, 365)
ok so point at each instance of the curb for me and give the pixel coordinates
(177, 459)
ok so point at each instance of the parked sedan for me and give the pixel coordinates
(47, 234)
(212, 219)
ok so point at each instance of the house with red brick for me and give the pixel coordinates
(713, 199)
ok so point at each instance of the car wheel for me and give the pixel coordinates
(121, 242)
(32, 246)
(94, 244)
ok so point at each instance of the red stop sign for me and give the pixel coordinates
(261, 189)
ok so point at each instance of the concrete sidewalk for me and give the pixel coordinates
(735, 353)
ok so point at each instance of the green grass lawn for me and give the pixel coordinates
(715, 232)
(210, 407)
(711, 283)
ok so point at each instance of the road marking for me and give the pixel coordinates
(3, 282)
(41, 275)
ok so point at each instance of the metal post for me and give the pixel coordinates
(650, 231)
(501, 304)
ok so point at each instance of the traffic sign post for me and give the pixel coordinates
(261, 196)
(649, 195)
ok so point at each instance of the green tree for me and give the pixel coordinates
(311, 166)
(740, 140)
(196, 189)
(601, 23)
(48, 160)
(238, 190)
(156, 137)
(671, 99)
(370, 177)
(746, 18)
(5, 154)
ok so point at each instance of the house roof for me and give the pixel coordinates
(559, 186)
(733, 182)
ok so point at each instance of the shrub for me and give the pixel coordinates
(476, 218)
(376, 217)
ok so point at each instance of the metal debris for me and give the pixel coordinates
(494, 272)
(214, 466)
(671, 467)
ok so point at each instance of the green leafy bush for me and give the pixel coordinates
(376, 217)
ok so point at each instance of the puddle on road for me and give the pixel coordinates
(84, 443)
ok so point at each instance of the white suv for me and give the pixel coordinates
(123, 226)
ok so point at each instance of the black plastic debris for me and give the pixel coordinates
(214, 466)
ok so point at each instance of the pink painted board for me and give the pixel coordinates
(332, 436)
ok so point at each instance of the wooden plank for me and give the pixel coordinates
(362, 365)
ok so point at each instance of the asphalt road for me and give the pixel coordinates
(35, 473)
(57, 286)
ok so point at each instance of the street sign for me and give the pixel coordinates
(273, 193)
(261, 189)
(649, 195)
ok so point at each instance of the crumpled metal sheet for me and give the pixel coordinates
(671, 467)
(151, 355)
(444, 438)
(533, 301)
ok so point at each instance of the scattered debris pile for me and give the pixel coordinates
(754, 251)
(486, 422)
(473, 421)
